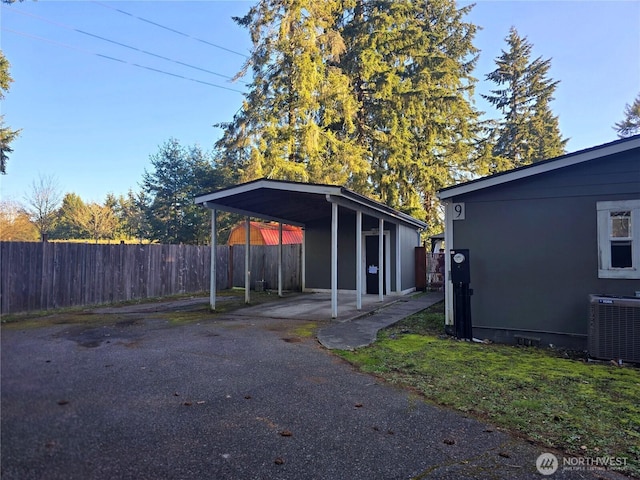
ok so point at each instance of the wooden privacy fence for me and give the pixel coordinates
(42, 276)
(430, 270)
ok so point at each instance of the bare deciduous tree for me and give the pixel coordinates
(43, 202)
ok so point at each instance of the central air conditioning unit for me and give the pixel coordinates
(614, 328)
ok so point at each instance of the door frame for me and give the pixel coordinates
(387, 260)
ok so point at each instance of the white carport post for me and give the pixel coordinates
(334, 260)
(398, 262)
(303, 262)
(214, 256)
(280, 259)
(448, 243)
(358, 260)
(381, 272)
(247, 260)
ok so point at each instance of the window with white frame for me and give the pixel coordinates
(619, 239)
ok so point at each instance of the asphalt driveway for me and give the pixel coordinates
(225, 398)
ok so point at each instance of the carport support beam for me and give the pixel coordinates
(247, 261)
(398, 262)
(214, 256)
(303, 262)
(358, 260)
(381, 272)
(280, 259)
(334, 260)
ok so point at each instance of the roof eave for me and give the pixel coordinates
(270, 184)
(567, 160)
(331, 192)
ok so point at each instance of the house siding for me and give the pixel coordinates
(318, 249)
(318, 252)
(408, 242)
(533, 250)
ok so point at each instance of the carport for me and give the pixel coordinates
(350, 243)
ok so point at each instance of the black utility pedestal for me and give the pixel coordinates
(461, 278)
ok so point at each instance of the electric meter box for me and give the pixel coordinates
(460, 272)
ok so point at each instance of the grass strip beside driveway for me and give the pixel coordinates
(556, 400)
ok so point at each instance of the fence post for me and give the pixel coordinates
(230, 267)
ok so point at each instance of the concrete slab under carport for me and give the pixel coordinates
(317, 307)
(353, 328)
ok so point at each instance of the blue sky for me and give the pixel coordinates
(93, 122)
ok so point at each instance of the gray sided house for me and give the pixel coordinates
(350, 242)
(542, 238)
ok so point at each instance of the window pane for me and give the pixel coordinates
(621, 224)
(621, 255)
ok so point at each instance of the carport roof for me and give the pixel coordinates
(297, 203)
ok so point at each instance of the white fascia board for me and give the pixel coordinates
(535, 169)
(271, 185)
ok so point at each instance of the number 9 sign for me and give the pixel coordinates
(458, 211)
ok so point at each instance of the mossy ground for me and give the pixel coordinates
(585, 409)
(230, 300)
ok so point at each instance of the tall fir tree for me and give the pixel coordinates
(528, 131)
(631, 124)
(411, 64)
(178, 175)
(294, 120)
(371, 94)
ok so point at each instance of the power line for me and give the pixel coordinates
(104, 39)
(171, 29)
(120, 60)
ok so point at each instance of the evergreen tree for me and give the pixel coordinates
(371, 94)
(631, 123)
(205, 178)
(178, 175)
(67, 226)
(130, 216)
(528, 132)
(7, 135)
(411, 64)
(297, 117)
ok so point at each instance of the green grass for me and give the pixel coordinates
(585, 409)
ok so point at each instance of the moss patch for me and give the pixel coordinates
(585, 409)
(230, 300)
(305, 330)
